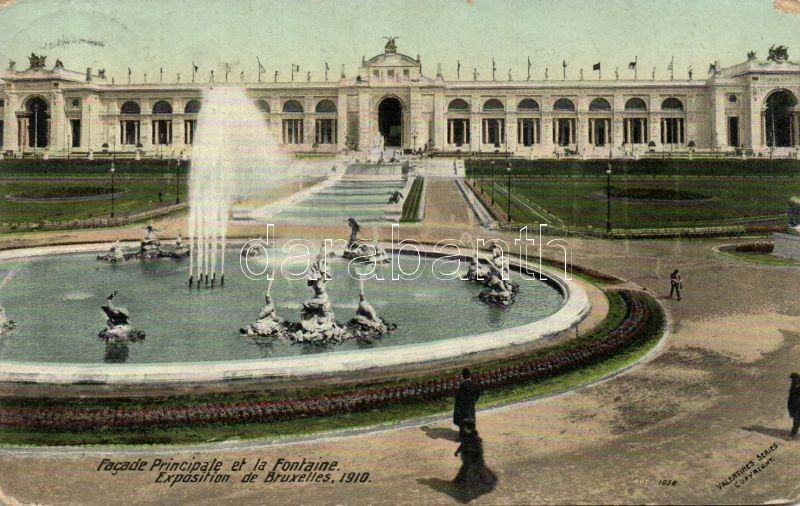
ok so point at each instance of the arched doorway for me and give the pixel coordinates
(778, 118)
(390, 122)
(38, 123)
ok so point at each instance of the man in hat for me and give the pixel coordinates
(466, 397)
(794, 402)
(675, 284)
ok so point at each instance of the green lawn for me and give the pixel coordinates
(582, 202)
(139, 195)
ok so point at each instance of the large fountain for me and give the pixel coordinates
(235, 156)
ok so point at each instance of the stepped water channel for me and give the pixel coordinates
(362, 192)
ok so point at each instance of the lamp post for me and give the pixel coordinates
(492, 187)
(508, 191)
(112, 170)
(608, 198)
(36, 125)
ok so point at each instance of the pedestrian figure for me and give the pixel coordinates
(794, 402)
(466, 397)
(675, 284)
(161, 196)
(473, 475)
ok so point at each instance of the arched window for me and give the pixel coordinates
(672, 104)
(635, 104)
(262, 105)
(528, 104)
(493, 105)
(458, 105)
(599, 104)
(778, 117)
(162, 107)
(563, 104)
(326, 107)
(192, 107)
(130, 107)
(292, 106)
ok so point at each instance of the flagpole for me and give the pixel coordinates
(636, 68)
(672, 69)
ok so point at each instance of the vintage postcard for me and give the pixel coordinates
(399, 252)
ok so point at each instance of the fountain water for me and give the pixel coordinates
(234, 156)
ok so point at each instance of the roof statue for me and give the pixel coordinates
(36, 62)
(778, 54)
(391, 45)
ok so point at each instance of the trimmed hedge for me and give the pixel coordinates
(55, 168)
(412, 203)
(644, 167)
(644, 319)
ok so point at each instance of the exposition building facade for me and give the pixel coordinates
(391, 103)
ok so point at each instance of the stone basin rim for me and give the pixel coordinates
(574, 309)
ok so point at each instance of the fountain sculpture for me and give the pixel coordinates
(318, 323)
(5, 323)
(362, 251)
(114, 254)
(268, 324)
(396, 197)
(118, 327)
(367, 323)
(500, 290)
(149, 248)
(476, 272)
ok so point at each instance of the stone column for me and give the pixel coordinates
(341, 121)
(309, 123)
(628, 124)
(511, 129)
(364, 122)
(58, 122)
(439, 117)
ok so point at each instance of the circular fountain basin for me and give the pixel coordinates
(192, 334)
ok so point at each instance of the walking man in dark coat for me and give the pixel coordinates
(794, 402)
(466, 397)
(675, 284)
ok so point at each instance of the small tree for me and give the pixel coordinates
(751, 56)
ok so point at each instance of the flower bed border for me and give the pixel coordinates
(642, 312)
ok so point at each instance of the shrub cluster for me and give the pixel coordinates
(755, 247)
(643, 318)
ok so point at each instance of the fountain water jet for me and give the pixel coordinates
(234, 155)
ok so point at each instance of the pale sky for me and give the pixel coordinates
(146, 35)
